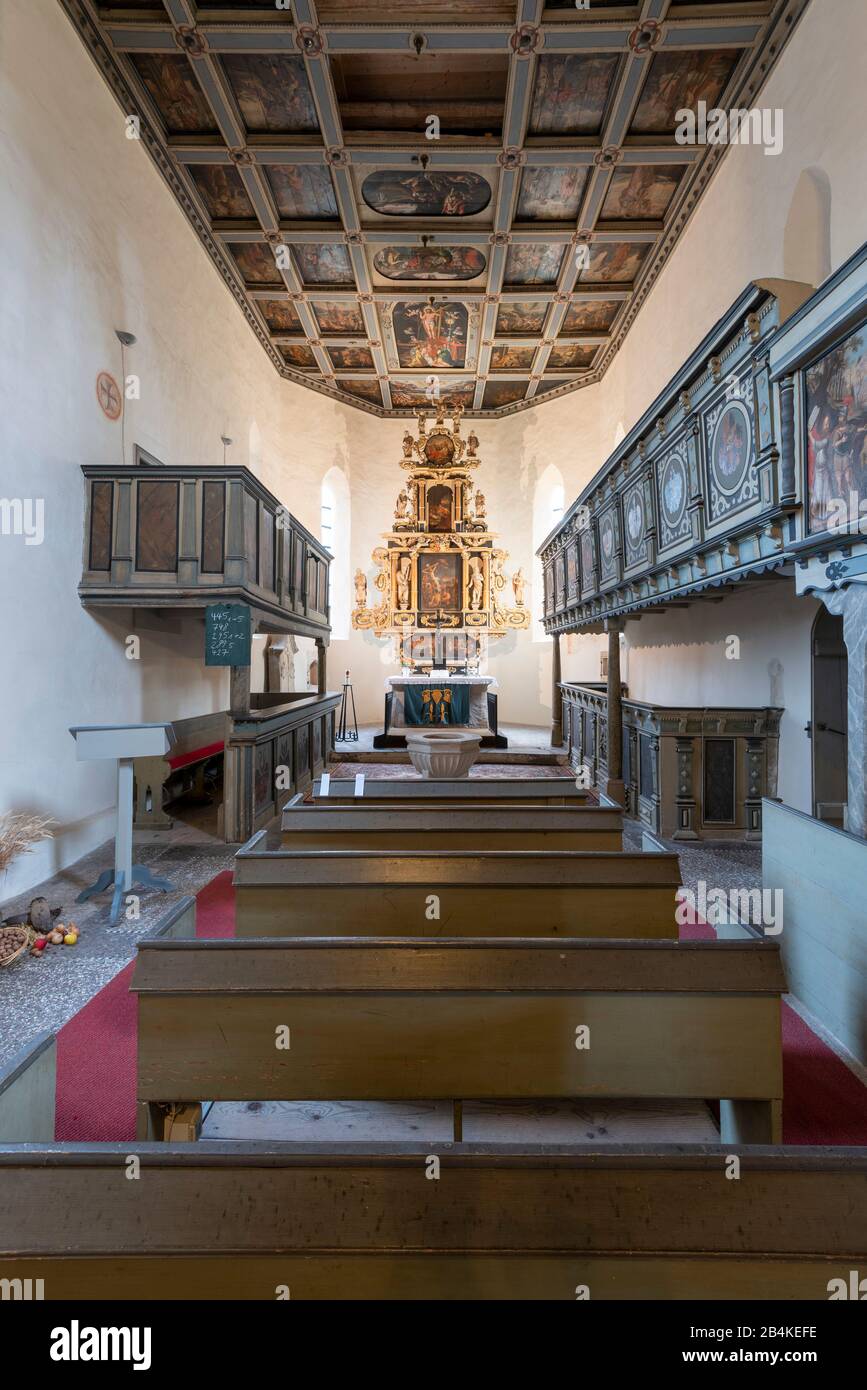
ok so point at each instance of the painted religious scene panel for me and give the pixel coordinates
(518, 317)
(614, 262)
(590, 316)
(300, 356)
(303, 191)
(571, 93)
(512, 359)
(427, 194)
(534, 263)
(729, 429)
(320, 263)
(280, 315)
(272, 92)
(350, 358)
(564, 356)
(222, 190)
(176, 94)
(500, 393)
(431, 335)
(255, 261)
(362, 390)
(679, 81)
(429, 262)
(642, 193)
(413, 395)
(551, 193)
(439, 501)
(836, 424)
(339, 318)
(440, 582)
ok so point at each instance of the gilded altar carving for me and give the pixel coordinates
(439, 567)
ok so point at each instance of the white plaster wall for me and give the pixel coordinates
(91, 240)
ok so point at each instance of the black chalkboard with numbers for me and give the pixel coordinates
(228, 634)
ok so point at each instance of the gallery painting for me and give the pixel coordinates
(431, 335)
(439, 582)
(642, 192)
(273, 92)
(429, 262)
(571, 93)
(534, 263)
(836, 420)
(303, 191)
(427, 194)
(517, 317)
(551, 194)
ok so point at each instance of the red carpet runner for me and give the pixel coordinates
(824, 1102)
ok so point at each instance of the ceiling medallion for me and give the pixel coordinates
(240, 155)
(511, 158)
(560, 298)
(274, 239)
(646, 36)
(500, 239)
(337, 155)
(492, 299)
(354, 239)
(581, 238)
(526, 41)
(311, 41)
(375, 343)
(191, 40)
(365, 299)
(607, 158)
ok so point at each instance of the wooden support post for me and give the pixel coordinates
(458, 1121)
(239, 691)
(321, 666)
(556, 694)
(614, 786)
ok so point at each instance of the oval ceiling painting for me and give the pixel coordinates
(429, 262)
(425, 194)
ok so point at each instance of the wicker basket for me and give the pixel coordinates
(25, 945)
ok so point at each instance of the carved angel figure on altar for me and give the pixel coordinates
(518, 585)
(403, 578)
(360, 589)
(480, 508)
(477, 583)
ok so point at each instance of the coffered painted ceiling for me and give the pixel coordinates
(508, 257)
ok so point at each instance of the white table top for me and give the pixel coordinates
(444, 679)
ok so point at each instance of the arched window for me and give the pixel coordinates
(549, 501)
(334, 532)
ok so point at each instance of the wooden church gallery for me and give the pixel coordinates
(433, 552)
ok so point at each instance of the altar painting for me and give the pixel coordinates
(439, 508)
(440, 578)
(836, 411)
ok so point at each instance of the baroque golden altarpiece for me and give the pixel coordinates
(440, 570)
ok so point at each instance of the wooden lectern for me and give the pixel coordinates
(123, 742)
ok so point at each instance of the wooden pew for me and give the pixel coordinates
(556, 791)
(197, 740)
(251, 1221)
(280, 892)
(457, 1020)
(27, 1092)
(319, 825)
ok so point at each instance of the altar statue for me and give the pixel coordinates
(407, 445)
(477, 583)
(480, 511)
(403, 577)
(472, 444)
(518, 584)
(403, 507)
(360, 589)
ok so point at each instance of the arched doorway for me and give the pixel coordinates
(830, 669)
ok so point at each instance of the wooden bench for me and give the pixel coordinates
(27, 1092)
(197, 740)
(250, 1221)
(459, 1020)
(556, 791)
(281, 892)
(318, 825)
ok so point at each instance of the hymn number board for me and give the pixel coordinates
(228, 634)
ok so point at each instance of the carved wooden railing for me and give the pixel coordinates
(158, 537)
(689, 773)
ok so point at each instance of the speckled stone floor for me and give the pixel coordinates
(39, 994)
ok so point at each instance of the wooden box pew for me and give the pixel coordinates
(564, 893)
(197, 740)
(305, 1221)
(555, 791)
(457, 1020)
(318, 825)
